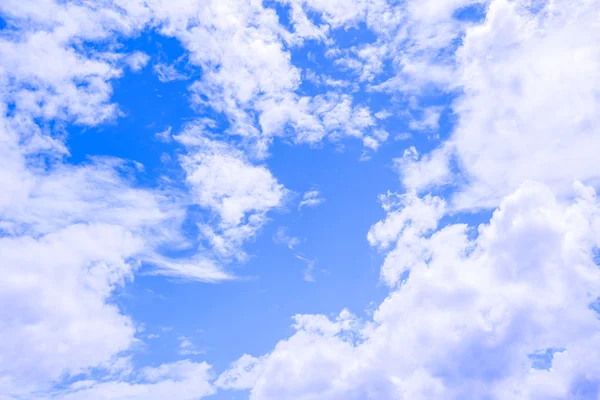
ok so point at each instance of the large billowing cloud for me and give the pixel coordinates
(529, 109)
(469, 321)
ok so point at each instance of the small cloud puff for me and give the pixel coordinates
(281, 237)
(137, 60)
(164, 136)
(311, 199)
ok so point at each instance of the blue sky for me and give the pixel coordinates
(299, 199)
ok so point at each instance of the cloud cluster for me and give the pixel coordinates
(469, 317)
(222, 179)
(530, 106)
(507, 310)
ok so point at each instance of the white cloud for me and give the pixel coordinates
(224, 181)
(239, 47)
(468, 316)
(373, 142)
(311, 199)
(366, 60)
(241, 374)
(326, 80)
(137, 60)
(304, 28)
(421, 173)
(418, 37)
(408, 219)
(332, 115)
(281, 237)
(383, 114)
(307, 274)
(183, 380)
(428, 121)
(335, 14)
(248, 74)
(187, 348)
(168, 73)
(42, 201)
(44, 73)
(58, 286)
(195, 268)
(402, 136)
(164, 136)
(152, 336)
(529, 108)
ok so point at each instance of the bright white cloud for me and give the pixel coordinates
(529, 108)
(373, 142)
(196, 268)
(45, 72)
(223, 180)
(241, 374)
(469, 315)
(421, 173)
(137, 60)
(408, 219)
(423, 33)
(311, 199)
(58, 285)
(183, 380)
(428, 121)
(335, 14)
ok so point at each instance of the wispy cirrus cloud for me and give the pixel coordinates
(281, 237)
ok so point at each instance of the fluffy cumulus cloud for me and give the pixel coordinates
(469, 319)
(222, 179)
(530, 107)
(58, 285)
(409, 218)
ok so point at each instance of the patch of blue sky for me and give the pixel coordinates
(595, 306)
(596, 255)
(543, 359)
(250, 315)
(472, 12)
